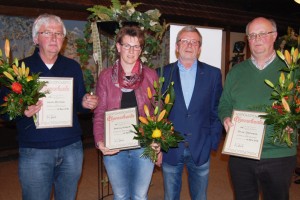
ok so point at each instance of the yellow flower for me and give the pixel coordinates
(146, 109)
(156, 133)
(8, 75)
(290, 87)
(285, 105)
(295, 55)
(29, 78)
(167, 99)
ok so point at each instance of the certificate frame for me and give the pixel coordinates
(245, 138)
(57, 108)
(119, 130)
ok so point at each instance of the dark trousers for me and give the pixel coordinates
(271, 176)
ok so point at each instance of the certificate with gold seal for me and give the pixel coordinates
(57, 108)
(245, 138)
(119, 130)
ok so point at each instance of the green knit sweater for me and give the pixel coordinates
(245, 90)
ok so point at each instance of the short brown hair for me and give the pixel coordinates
(132, 31)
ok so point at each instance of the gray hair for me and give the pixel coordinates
(189, 29)
(46, 19)
(271, 21)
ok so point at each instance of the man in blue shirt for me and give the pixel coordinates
(198, 87)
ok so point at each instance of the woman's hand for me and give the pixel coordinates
(156, 147)
(106, 151)
(159, 159)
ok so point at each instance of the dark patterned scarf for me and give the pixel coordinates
(127, 83)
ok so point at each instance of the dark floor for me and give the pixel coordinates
(219, 182)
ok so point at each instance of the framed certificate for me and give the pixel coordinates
(119, 130)
(57, 109)
(245, 138)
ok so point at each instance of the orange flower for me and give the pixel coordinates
(143, 120)
(149, 92)
(16, 87)
(161, 115)
(287, 56)
(6, 48)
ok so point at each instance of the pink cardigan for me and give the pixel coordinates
(110, 97)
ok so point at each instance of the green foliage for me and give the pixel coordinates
(24, 87)
(148, 21)
(85, 50)
(156, 128)
(284, 113)
(89, 81)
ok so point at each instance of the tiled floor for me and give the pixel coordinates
(219, 185)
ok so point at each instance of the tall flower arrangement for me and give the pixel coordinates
(155, 127)
(148, 21)
(24, 88)
(284, 114)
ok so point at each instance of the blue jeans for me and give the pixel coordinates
(39, 169)
(197, 178)
(271, 176)
(129, 174)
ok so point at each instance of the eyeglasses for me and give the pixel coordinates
(188, 41)
(254, 36)
(48, 34)
(128, 46)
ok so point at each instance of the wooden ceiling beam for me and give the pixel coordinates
(34, 12)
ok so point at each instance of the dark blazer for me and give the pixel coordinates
(199, 123)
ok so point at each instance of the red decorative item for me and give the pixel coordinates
(16, 87)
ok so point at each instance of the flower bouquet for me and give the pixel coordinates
(285, 110)
(156, 128)
(24, 89)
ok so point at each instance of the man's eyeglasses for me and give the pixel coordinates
(128, 46)
(254, 36)
(49, 34)
(187, 41)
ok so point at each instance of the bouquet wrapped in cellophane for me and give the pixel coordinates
(24, 88)
(155, 127)
(284, 113)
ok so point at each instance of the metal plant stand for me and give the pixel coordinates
(104, 189)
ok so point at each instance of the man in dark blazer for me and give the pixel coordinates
(198, 87)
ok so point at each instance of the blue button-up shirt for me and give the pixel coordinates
(187, 79)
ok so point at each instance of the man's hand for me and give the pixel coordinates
(227, 124)
(90, 101)
(33, 109)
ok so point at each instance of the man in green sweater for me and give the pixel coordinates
(245, 90)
